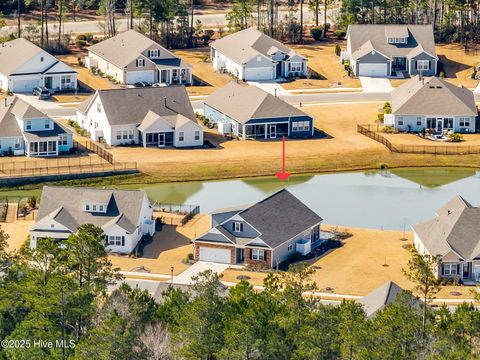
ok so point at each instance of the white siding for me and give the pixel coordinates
(108, 68)
(188, 130)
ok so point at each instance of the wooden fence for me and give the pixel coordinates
(418, 149)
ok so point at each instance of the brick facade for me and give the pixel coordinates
(233, 253)
(265, 263)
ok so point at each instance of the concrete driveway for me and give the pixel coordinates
(270, 86)
(49, 107)
(186, 276)
(375, 85)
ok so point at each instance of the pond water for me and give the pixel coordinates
(391, 199)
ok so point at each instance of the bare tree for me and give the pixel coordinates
(156, 340)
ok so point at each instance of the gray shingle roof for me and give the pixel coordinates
(456, 228)
(8, 124)
(38, 135)
(244, 45)
(64, 204)
(359, 34)
(131, 105)
(382, 296)
(280, 217)
(432, 96)
(15, 53)
(243, 103)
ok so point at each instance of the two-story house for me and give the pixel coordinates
(125, 216)
(151, 116)
(131, 57)
(24, 66)
(454, 235)
(264, 234)
(25, 130)
(250, 55)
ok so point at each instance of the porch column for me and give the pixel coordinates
(56, 148)
(144, 139)
(170, 77)
(180, 76)
(265, 127)
(244, 135)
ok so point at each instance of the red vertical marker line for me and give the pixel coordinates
(283, 175)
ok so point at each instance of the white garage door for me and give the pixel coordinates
(136, 76)
(215, 255)
(372, 70)
(253, 74)
(24, 85)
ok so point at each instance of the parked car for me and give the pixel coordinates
(42, 92)
(159, 85)
(142, 84)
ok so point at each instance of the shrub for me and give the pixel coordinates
(388, 129)
(442, 74)
(32, 202)
(204, 58)
(316, 32)
(455, 137)
(387, 108)
(82, 37)
(380, 117)
(340, 34)
(338, 50)
(80, 43)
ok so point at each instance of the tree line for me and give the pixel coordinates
(61, 295)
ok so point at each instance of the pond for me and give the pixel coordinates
(390, 199)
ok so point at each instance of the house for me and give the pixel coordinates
(385, 50)
(432, 103)
(131, 57)
(263, 234)
(24, 66)
(151, 116)
(125, 216)
(25, 130)
(250, 55)
(385, 295)
(454, 235)
(248, 112)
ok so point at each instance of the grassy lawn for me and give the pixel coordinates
(169, 247)
(322, 59)
(70, 98)
(457, 64)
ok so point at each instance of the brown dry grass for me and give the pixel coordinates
(69, 98)
(457, 64)
(169, 248)
(413, 139)
(322, 59)
(18, 232)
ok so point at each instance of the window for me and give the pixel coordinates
(423, 65)
(47, 124)
(237, 227)
(419, 123)
(116, 240)
(174, 73)
(391, 40)
(290, 246)
(17, 143)
(63, 140)
(449, 269)
(52, 225)
(448, 123)
(140, 62)
(99, 109)
(66, 80)
(100, 208)
(87, 207)
(119, 135)
(301, 126)
(197, 135)
(94, 207)
(295, 66)
(28, 125)
(153, 53)
(41, 59)
(130, 134)
(259, 58)
(125, 135)
(181, 136)
(258, 254)
(400, 122)
(464, 121)
(419, 120)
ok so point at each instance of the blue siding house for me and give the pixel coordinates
(25, 130)
(248, 112)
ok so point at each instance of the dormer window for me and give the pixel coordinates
(95, 208)
(237, 226)
(154, 53)
(140, 62)
(87, 207)
(47, 124)
(28, 125)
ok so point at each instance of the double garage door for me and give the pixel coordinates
(261, 73)
(377, 70)
(136, 76)
(24, 85)
(215, 255)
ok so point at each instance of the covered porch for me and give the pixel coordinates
(157, 139)
(467, 271)
(266, 130)
(173, 71)
(42, 148)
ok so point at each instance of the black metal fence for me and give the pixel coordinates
(180, 214)
(87, 145)
(450, 149)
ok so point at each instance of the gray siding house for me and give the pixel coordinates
(264, 234)
(454, 235)
(25, 130)
(248, 112)
(386, 50)
(432, 103)
(250, 55)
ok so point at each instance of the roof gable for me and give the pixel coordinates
(15, 53)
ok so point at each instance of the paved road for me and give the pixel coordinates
(208, 20)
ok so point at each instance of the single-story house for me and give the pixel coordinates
(385, 295)
(151, 116)
(125, 216)
(250, 55)
(131, 57)
(24, 66)
(263, 234)
(25, 130)
(385, 50)
(454, 235)
(432, 103)
(249, 112)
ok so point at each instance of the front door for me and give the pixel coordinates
(439, 125)
(161, 140)
(48, 82)
(272, 131)
(476, 273)
(279, 69)
(466, 272)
